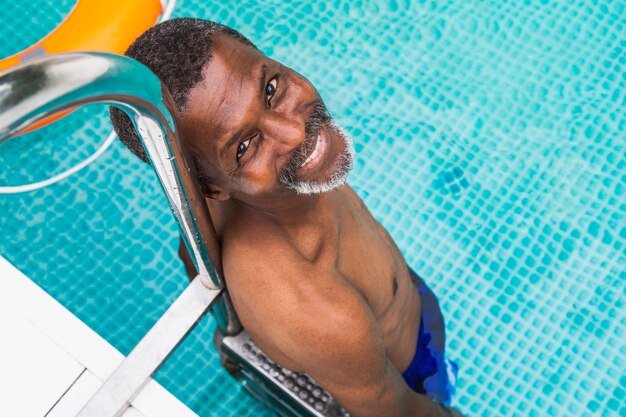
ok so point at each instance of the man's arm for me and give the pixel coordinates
(343, 350)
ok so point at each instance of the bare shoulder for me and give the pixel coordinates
(253, 255)
(281, 296)
(261, 267)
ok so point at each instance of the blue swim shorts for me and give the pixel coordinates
(430, 372)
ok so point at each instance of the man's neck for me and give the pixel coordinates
(288, 213)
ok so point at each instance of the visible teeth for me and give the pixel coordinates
(315, 152)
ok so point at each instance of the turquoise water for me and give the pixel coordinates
(490, 143)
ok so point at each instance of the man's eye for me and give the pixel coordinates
(242, 148)
(270, 89)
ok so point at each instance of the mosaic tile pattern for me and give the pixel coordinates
(40, 17)
(490, 143)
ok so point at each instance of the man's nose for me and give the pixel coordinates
(286, 130)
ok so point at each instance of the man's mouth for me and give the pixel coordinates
(315, 153)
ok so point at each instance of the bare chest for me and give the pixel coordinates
(370, 260)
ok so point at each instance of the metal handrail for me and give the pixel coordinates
(167, 7)
(33, 91)
(38, 89)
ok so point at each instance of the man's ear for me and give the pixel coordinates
(208, 187)
(214, 192)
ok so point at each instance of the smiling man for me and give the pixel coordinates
(318, 283)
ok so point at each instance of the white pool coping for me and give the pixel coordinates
(51, 363)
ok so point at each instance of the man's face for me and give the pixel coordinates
(261, 130)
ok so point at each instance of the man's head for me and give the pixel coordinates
(255, 128)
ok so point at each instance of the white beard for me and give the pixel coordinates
(339, 175)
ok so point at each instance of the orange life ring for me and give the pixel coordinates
(92, 25)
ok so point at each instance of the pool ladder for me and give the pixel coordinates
(31, 92)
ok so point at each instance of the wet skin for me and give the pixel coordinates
(315, 279)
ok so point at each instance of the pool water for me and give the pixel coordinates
(490, 143)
